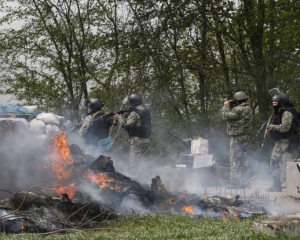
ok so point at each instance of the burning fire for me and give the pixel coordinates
(61, 157)
(70, 190)
(61, 160)
(189, 209)
(98, 178)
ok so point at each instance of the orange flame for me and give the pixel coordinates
(70, 190)
(23, 227)
(189, 209)
(61, 157)
(235, 217)
(98, 178)
(117, 187)
(223, 218)
(228, 196)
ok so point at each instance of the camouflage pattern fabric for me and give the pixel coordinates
(239, 167)
(286, 123)
(280, 155)
(85, 126)
(279, 159)
(239, 124)
(138, 146)
(138, 149)
(239, 119)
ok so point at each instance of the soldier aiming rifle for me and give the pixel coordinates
(238, 116)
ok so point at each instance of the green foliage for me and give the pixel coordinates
(157, 226)
(183, 57)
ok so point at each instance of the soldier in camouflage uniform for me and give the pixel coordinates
(93, 131)
(283, 130)
(138, 126)
(239, 124)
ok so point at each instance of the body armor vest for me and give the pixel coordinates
(99, 129)
(145, 130)
(294, 130)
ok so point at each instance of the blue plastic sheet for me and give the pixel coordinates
(105, 144)
(14, 108)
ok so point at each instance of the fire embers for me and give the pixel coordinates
(214, 206)
(223, 208)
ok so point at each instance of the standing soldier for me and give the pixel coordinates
(138, 126)
(95, 129)
(283, 130)
(239, 124)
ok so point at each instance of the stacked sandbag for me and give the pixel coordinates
(12, 126)
(45, 124)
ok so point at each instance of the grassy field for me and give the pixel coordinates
(161, 227)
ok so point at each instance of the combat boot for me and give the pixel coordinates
(276, 187)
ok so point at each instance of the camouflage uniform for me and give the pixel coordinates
(280, 155)
(138, 146)
(239, 124)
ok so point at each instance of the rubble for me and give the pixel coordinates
(85, 192)
(284, 225)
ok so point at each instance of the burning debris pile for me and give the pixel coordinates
(86, 192)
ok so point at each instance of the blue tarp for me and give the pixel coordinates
(14, 108)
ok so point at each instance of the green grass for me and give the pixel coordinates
(157, 226)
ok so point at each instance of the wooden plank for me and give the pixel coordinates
(15, 115)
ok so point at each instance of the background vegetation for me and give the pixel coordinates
(183, 57)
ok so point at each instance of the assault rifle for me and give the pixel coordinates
(78, 126)
(267, 125)
(232, 102)
(113, 113)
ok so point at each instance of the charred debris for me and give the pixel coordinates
(82, 202)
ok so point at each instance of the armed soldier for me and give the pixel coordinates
(138, 126)
(239, 124)
(283, 131)
(95, 129)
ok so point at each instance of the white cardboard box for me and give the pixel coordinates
(199, 146)
(204, 160)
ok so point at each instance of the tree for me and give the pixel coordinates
(55, 52)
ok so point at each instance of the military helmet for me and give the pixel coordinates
(95, 104)
(285, 98)
(135, 99)
(240, 96)
(277, 98)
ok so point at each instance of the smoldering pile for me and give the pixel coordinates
(76, 191)
(98, 193)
